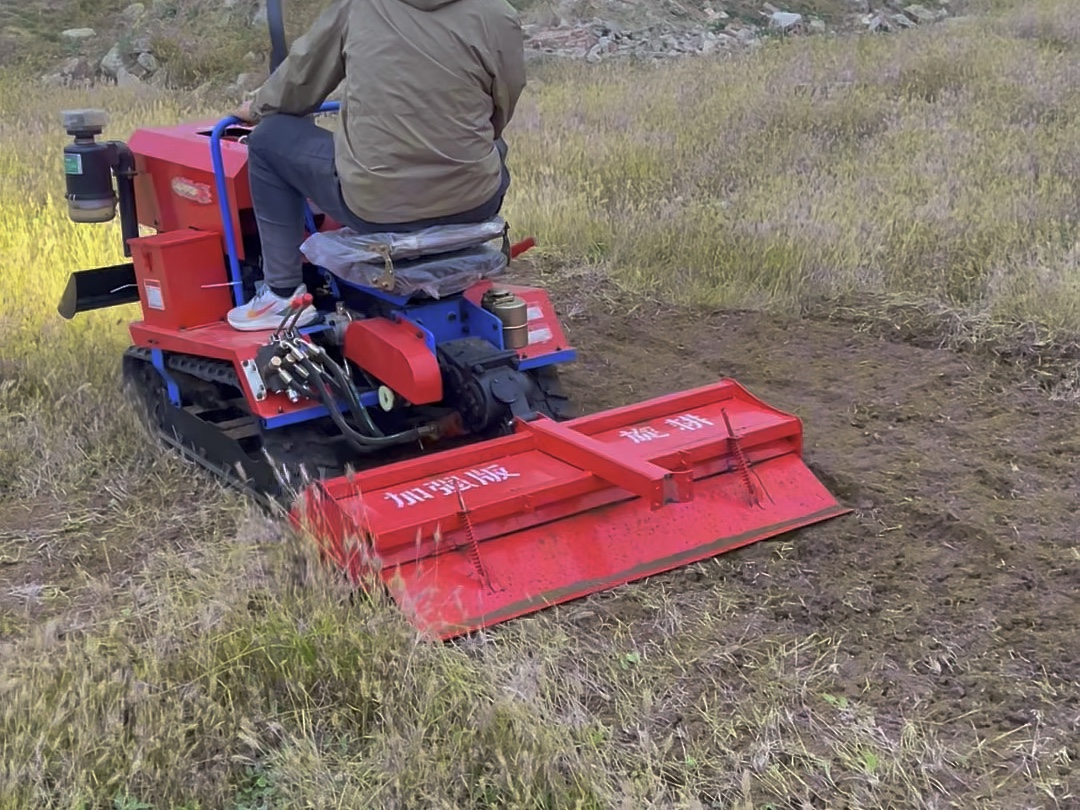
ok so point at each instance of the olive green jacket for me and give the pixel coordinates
(427, 86)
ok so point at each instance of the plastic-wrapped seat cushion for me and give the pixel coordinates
(438, 261)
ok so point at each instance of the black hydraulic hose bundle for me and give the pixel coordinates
(325, 378)
(364, 442)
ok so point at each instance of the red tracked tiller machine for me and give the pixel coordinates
(418, 429)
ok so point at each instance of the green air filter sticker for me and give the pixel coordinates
(72, 164)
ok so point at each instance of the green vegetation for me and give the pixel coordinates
(936, 168)
(186, 655)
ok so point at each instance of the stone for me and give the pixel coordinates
(78, 34)
(902, 21)
(248, 81)
(920, 14)
(75, 70)
(877, 22)
(785, 21)
(112, 63)
(147, 62)
(124, 78)
(132, 13)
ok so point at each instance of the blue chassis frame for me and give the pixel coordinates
(440, 321)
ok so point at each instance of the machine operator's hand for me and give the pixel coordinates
(244, 113)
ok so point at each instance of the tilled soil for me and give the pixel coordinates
(956, 576)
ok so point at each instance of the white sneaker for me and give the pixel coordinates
(267, 310)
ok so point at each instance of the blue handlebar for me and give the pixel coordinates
(223, 198)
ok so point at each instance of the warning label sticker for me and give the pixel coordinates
(153, 295)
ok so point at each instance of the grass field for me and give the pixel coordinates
(162, 646)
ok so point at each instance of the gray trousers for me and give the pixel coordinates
(290, 160)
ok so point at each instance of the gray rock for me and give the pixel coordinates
(78, 34)
(785, 20)
(148, 62)
(902, 21)
(125, 78)
(877, 22)
(112, 63)
(133, 12)
(72, 71)
(920, 14)
(245, 83)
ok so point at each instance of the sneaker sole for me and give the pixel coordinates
(264, 326)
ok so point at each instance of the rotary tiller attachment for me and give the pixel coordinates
(472, 537)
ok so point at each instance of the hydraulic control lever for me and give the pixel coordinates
(296, 307)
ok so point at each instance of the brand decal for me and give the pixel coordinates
(190, 190)
(451, 485)
(685, 423)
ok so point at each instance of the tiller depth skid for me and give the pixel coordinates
(479, 535)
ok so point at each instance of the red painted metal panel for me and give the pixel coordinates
(220, 342)
(175, 186)
(597, 549)
(557, 511)
(181, 276)
(396, 353)
(545, 331)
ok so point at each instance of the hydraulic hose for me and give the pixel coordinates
(364, 442)
(344, 387)
(125, 184)
(340, 382)
(350, 394)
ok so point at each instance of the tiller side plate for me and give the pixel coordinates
(472, 537)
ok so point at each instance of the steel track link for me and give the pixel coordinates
(215, 371)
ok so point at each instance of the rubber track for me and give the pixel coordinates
(218, 371)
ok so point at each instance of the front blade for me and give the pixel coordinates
(469, 538)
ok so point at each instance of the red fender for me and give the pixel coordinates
(396, 354)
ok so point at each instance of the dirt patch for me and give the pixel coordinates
(954, 581)
(62, 553)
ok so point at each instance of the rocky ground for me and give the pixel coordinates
(129, 49)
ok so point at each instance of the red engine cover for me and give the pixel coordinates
(175, 189)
